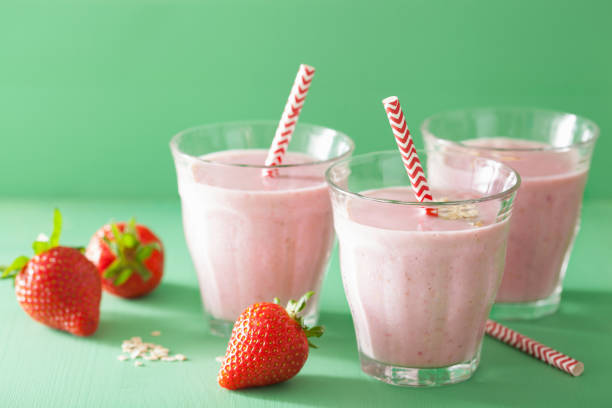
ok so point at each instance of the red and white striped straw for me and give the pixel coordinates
(408, 151)
(535, 349)
(289, 119)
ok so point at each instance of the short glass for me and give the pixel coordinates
(552, 152)
(420, 287)
(254, 238)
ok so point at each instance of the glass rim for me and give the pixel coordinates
(395, 153)
(175, 148)
(509, 109)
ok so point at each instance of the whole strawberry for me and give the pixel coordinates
(58, 287)
(268, 345)
(129, 257)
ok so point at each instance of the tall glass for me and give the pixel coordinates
(253, 238)
(552, 152)
(420, 287)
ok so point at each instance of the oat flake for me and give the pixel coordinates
(135, 349)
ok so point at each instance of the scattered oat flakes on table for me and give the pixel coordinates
(135, 349)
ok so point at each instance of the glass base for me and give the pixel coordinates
(419, 377)
(223, 328)
(527, 310)
(219, 327)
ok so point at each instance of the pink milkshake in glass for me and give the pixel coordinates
(552, 152)
(420, 287)
(253, 238)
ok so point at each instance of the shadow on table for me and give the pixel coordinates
(173, 295)
(174, 309)
(318, 390)
(582, 310)
(338, 341)
(187, 335)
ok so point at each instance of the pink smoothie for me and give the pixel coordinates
(254, 238)
(544, 219)
(419, 287)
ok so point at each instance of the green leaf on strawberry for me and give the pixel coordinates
(129, 257)
(130, 254)
(39, 247)
(123, 276)
(295, 307)
(13, 269)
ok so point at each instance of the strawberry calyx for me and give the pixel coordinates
(39, 246)
(130, 254)
(294, 308)
(13, 269)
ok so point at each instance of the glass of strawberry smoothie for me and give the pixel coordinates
(552, 152)
(420, 287)
(254, 238)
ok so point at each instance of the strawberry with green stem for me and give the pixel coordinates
(129, 257)
(58, 287)
(269, 344)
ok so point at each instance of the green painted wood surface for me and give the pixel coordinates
(40, 367)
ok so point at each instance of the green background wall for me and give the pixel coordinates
(91, 91)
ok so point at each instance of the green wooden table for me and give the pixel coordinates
(40, 367)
